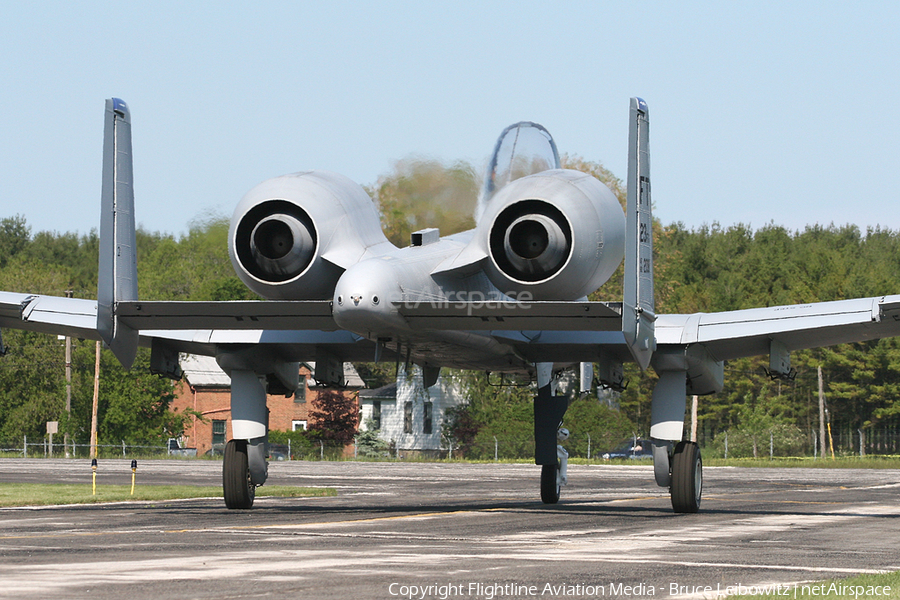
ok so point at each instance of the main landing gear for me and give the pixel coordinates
(680, 468)
(245, 468)
(687, 478)
(237, 486)
(549, 410)
(553, 475)
(551, 481)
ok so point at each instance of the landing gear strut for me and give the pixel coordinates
(239, 490)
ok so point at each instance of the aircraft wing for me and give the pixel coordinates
(751, 332)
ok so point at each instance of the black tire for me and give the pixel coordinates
(550, 484)
(239, 492)
(687, 478)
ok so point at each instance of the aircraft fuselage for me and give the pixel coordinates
(367, 296)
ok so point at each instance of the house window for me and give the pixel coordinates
(218, 433)
(298, 425)
(300, 394)
(427, 424)
(407, 417)
(376, 414)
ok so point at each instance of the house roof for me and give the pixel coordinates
(386, 392)
(351, 377)
(204, 371)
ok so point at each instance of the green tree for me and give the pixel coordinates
(195, 267)
(494, 408)
(425, 193)
(136, 404)
(368, 443)
(761, 422)
(596, 169)
(376, 375)
(15, 235)
(300, 443)
(32, 388)
(589, 417)
(458, 430)
(133, 405)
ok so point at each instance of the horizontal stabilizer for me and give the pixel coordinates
(750, 332)
(49, 314)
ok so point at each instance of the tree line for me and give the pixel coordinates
(706, 269)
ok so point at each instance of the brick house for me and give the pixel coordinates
(206, 389)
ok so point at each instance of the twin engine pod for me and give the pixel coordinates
(278, 241)
(292, 237)
(558, 235)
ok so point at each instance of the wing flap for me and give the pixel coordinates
(249, 314)
(516, 316)
(288, 345)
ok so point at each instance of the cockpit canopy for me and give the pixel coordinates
(522, 149)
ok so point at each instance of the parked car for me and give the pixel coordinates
(635, 448)
(175, 448)
(278, 452)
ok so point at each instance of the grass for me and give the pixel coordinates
(884, 585)
(45, 494)
(841, 462)
(845, 462)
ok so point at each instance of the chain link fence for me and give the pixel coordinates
(780, 443)
(791, 441)
(43, 449)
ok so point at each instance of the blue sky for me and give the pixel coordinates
(760, 111)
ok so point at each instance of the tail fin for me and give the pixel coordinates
(638, 313)
(118, 258)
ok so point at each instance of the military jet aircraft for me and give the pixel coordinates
(508, 296)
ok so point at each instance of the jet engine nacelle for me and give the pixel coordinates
(558, 235)
(292, 237)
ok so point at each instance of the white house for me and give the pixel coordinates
(407, 415)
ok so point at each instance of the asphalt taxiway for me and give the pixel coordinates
(437, 530)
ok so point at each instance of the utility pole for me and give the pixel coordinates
(69, 294)
(694, 419)
(94, 410)
(821, 412)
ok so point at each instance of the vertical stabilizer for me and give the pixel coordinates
(639, 314)
(118, 258)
